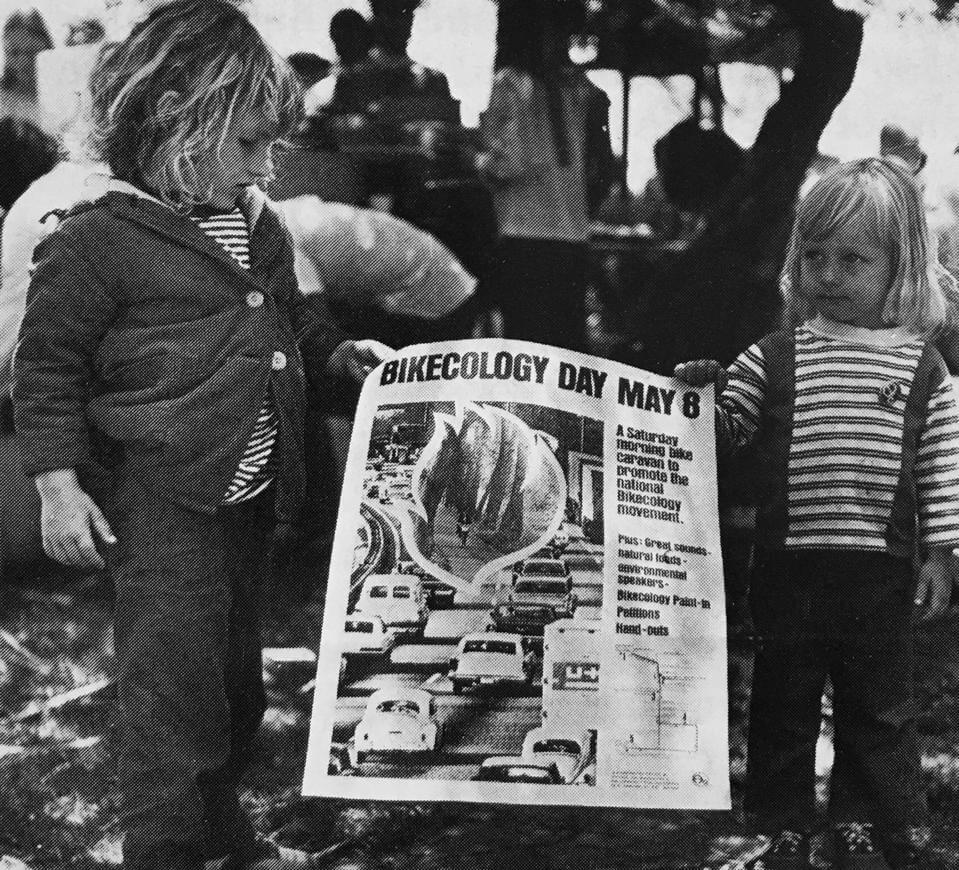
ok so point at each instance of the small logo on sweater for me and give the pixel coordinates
(890, 393)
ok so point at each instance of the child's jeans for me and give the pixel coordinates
(845, 615)
(189, 593)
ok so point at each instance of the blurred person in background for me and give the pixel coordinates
(352, 39)
(392, 27)
(55, 175)
(387, 72)
(35, 214)
(694, 165)
(351, 36)
(535, 159)
(25, 35)
(28, 153)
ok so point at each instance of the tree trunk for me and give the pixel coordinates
(721, 293)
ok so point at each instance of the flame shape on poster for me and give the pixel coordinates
(487, 491)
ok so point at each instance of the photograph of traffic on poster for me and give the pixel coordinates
(480, 536)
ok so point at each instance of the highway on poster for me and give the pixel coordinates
(477, 723)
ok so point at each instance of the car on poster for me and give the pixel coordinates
(397, 720)
(510, 768)
(572, 753)
(529, 620)
(366, 634)
(490, 659)
(438, 594)
(544, 582)
(398, 599)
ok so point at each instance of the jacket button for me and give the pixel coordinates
(279, 360)
(254, 299)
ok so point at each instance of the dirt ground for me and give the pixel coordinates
(57, 809)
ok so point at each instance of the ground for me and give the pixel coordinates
(57, 810)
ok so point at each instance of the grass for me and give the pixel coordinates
(57, 808)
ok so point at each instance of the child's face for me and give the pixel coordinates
(846, 277)
(245, 158)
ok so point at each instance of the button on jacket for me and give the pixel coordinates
(146, 347)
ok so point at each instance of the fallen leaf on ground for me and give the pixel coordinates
(72, 809)
(108, 851)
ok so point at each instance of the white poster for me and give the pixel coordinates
(526, 597)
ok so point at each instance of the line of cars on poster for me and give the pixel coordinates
(399, 721)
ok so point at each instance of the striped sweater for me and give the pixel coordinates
(845, 454)
(256, 469)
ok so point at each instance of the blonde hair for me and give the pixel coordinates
(165, 97)
(887, 195)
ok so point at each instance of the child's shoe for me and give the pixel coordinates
(856, 847)
(789, 851)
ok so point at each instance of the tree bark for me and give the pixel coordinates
(722, 293)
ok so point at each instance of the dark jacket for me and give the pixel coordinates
(147, 349)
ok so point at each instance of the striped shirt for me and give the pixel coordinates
(256, 469)
(846, 449)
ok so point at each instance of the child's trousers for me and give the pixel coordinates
(843, 615)
(189, 593)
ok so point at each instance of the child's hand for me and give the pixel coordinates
(702, 373)
(358, 358)
(934, 585)
(70, 521)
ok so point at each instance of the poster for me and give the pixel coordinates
(526, 599)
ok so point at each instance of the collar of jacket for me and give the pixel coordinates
(266, 229)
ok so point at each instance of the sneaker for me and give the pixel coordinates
(856, 847)
(789, 850)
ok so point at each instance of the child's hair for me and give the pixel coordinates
(891, 203)
(165, 97)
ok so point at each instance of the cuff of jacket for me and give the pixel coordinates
(40, 455)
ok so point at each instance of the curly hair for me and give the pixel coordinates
(887, 196)
(165, 98)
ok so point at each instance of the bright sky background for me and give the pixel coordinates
(908, 73)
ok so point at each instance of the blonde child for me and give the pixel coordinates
(165, 351)
(856, 436)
